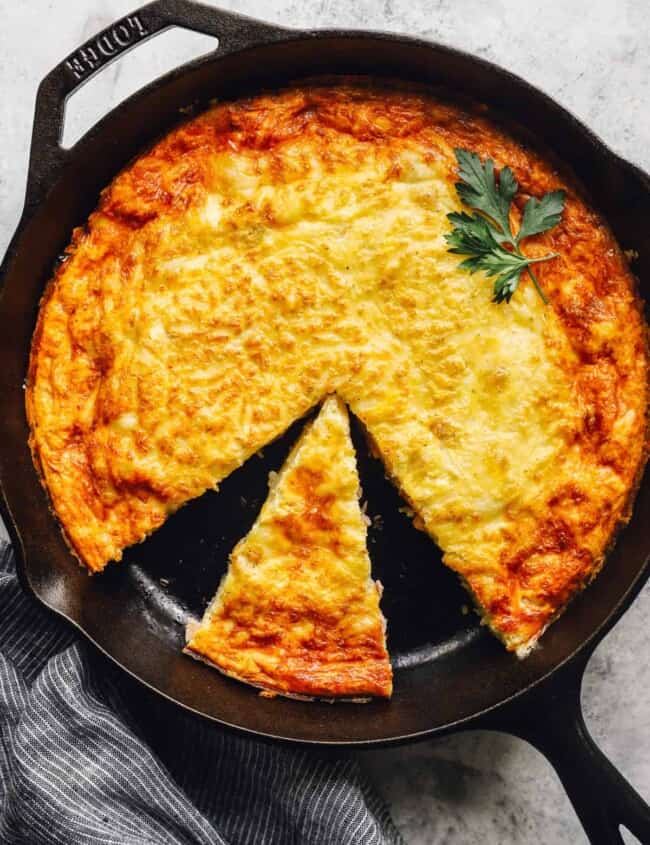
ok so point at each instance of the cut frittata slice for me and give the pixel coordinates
(297, 612)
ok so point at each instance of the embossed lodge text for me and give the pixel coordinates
(111, 42)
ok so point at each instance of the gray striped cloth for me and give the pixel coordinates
(86, 757)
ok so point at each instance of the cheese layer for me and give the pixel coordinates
(297, 611)
(275, 250)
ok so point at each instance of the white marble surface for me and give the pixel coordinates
(594, 57)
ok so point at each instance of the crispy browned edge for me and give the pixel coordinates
(271, 691)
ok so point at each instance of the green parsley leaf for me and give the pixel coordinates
(481, 236)
(471, 235)
(541, 215)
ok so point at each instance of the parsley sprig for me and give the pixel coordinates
(486, 237)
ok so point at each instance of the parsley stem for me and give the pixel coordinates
(543, 258)
(536, 283)
(530, 261)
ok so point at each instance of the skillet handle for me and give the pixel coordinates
(551, 719)
(47, 156)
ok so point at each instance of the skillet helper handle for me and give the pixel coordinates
(551, 719)
(47, 156)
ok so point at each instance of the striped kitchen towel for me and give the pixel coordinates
(88, 757)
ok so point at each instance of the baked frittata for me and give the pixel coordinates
(297, 613)
(275, 250)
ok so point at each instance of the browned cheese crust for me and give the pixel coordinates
(274, 250)
(297, 612)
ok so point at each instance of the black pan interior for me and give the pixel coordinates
(448, 669)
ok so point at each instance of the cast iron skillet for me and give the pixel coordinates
(449, 673)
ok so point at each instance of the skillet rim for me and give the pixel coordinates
(276, 36)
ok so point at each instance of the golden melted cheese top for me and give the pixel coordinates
(297, 611)
(275, 250)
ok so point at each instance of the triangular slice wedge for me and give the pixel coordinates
(297, 612)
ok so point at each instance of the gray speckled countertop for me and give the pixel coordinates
(594, 57)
